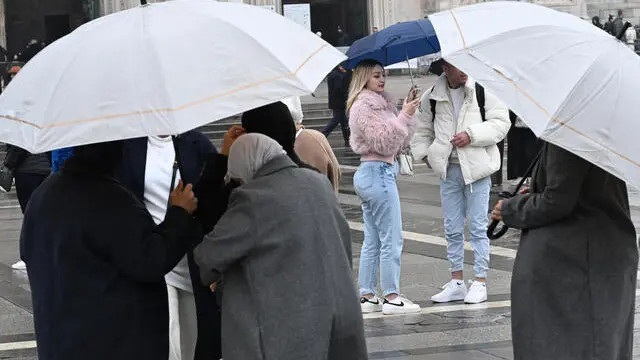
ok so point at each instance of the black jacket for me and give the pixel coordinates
(96, 265)
(20, 161)
(194, 149)
(338, 84)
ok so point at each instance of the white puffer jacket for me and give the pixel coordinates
(433, 138)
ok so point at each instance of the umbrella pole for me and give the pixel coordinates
(410, 72)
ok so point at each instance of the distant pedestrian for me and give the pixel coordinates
(379, 134)
(338, 82)
(618, 25)
(608, 26)
(630, 36)
(573, 286)
(284, 247)
(459, 141)
(342, 36)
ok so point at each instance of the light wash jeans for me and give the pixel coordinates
(375, 183)
(460, 201)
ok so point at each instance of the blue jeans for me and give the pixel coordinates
(375, 183)
(460, 201)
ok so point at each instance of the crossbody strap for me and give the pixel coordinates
(174, 176)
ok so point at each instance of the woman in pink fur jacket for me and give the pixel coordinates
(378, 134)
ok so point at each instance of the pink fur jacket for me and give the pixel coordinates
(377, 132)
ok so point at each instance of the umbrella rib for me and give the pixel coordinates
(178, 108)
(464, 42)
(555, 119)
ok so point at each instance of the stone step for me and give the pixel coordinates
(224, 126)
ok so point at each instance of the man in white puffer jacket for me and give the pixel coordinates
(461, 148)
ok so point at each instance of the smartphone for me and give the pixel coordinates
(413, 93)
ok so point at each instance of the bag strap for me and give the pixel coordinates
(480, 98)
(176, 167)
(432, 102)
(173, 181)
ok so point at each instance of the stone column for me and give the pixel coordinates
(382, 13)
(3, 33)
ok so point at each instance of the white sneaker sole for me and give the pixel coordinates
(449, 300)
(371, 310)
(400, 311)
(474, 302)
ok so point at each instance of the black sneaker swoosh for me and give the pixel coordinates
(398, 305)
(365, 300)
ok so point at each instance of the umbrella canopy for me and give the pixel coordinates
(160, 69)
(571, 82)
(395, 44)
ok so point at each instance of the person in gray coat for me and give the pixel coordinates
(284, 248)
(574, 278)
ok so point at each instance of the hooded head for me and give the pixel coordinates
(101, 158)
(249, 154)
(275, 121)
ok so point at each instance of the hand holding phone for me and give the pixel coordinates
(413, 94)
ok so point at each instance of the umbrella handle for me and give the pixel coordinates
(496, 235)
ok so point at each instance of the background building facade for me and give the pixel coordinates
(47, 20)
(358, 17)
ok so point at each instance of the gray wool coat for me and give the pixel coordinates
(574, 277)
(284, 248)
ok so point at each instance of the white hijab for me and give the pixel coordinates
(295, 107)
(249, 153)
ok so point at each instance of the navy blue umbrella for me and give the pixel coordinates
(397, 43)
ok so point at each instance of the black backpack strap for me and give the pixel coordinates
(432, 102)
(480, 98)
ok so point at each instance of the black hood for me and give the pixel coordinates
(275, 121)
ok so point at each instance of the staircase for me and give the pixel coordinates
(316, 117)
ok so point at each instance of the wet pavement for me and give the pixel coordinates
(441, 332)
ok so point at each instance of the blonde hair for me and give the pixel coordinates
(361, 76)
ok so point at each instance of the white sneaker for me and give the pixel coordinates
(400, 305)
(454, 290)
(477, 293)
(20, 265)
(370, 305)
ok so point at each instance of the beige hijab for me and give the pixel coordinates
(249, 154)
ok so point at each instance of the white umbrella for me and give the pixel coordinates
(572, 83)
(163, 68)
